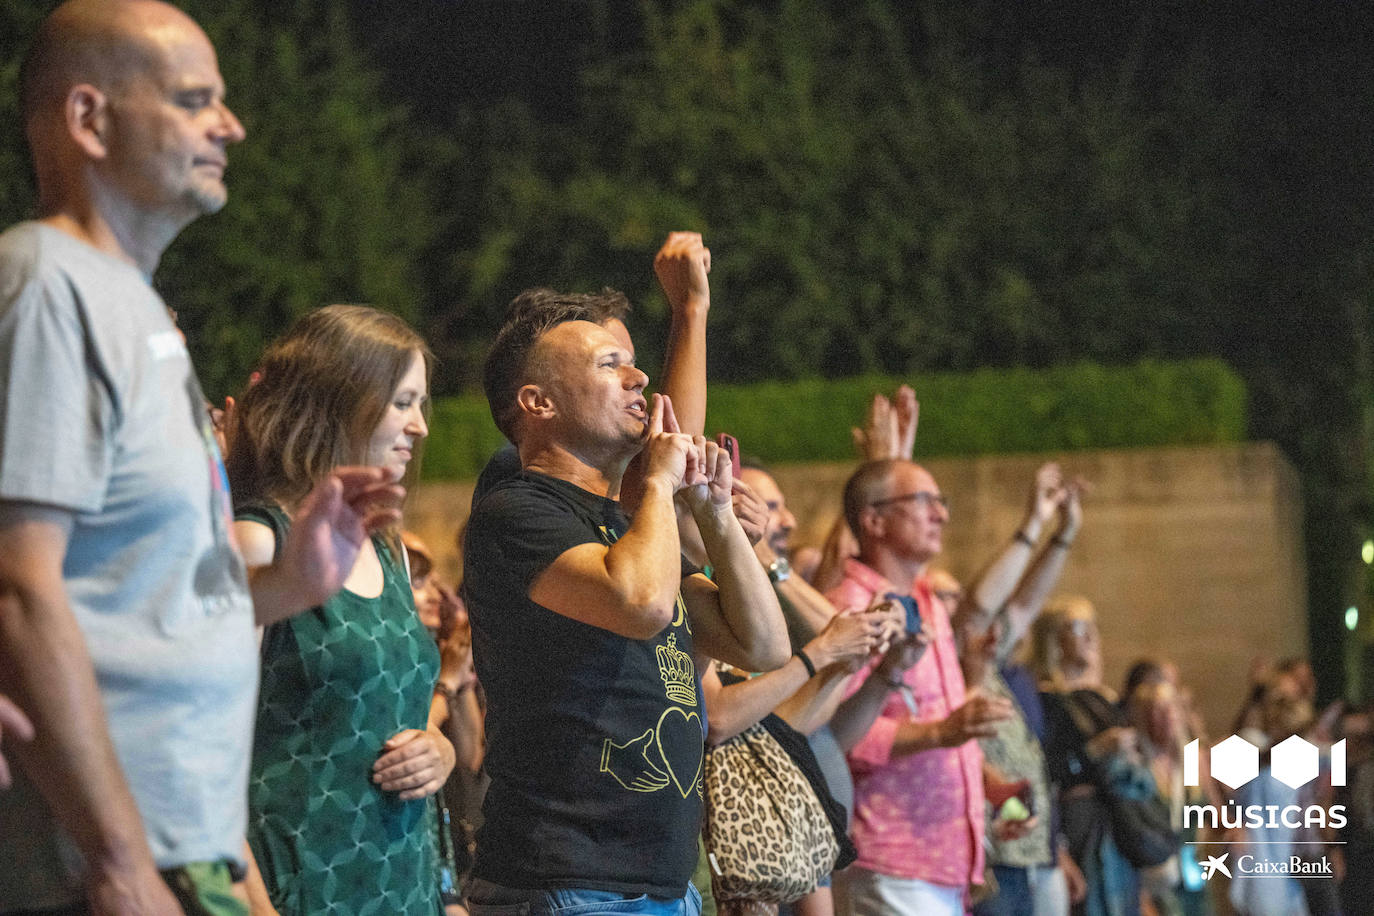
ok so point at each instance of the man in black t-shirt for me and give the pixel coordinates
(587, 626)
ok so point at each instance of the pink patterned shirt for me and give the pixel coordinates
(915, 815)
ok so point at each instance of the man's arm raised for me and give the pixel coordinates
(630, 587)
(995, 584)
(1035, 586)
(45, 667)
(681, 266)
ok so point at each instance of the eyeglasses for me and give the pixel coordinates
(922, 498)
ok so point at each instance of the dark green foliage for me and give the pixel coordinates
(986, 412)
(327, 200)
(18, 21)
(995, 410)
(874, 203)
(888, 186)
(462, 437)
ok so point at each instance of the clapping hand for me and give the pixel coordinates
(330, 527)
(977, 717)
(847, 639)
(889, 430)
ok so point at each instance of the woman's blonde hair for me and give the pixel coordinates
(1046, 654)
(317, 397)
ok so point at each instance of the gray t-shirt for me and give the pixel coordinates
(101, 415)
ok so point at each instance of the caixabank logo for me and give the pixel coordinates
(1294, 762)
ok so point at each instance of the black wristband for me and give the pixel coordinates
(1062, 542)
(806, 660)
(450, 695)
(1025, 538)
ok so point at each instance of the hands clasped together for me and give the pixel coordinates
(1052, 493)
(693, 468)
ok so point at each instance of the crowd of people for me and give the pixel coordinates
(240, 686)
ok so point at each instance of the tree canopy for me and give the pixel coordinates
(328, 201)
(886, 186)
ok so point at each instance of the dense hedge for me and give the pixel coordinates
(461, 438)
(985, 412)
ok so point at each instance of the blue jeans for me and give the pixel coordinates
(1013, 897)
(487, 899)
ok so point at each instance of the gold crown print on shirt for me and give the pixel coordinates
(678, 673)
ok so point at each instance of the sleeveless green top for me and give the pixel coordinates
(337, 682)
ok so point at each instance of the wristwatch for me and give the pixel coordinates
(779, 570)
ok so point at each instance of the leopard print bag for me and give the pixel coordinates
(767, 835)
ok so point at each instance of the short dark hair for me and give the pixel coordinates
(531, 315)
(601, 307)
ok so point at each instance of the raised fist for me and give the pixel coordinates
(682, 265)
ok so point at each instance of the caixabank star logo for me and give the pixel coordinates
(1294, 762)
(1215, 864)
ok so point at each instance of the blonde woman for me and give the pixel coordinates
(1090, 752)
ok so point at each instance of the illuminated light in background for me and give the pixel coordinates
(1352, 618)
(1367, 553)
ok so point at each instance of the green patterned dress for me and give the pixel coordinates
(337, 682)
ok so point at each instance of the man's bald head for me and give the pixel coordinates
(125, 116)
(895, 505)
(871, 482)
(106, 43)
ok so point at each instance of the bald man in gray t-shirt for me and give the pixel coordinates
(126, 626)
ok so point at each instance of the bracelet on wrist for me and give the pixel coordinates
(1060, 541)
(450, 694)
(806, 660)
(1025, 538)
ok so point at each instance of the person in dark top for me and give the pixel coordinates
(586, 626)
(1090, 751)
(682, 266)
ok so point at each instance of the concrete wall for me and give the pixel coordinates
(1193, 554)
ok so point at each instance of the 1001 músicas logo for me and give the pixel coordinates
(1294, 762)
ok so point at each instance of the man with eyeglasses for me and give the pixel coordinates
(918, 817)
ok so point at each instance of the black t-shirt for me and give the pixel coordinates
(594, 741)
(502, 465)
